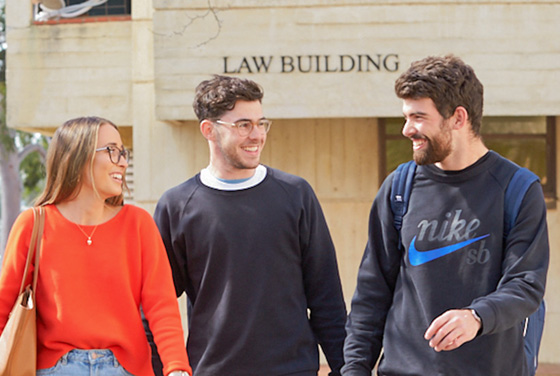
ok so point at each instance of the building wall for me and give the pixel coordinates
(64, 71)
(141, 74)
(508, 43)
(550, 342)
(339, 159)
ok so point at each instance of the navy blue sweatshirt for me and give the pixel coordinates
(260, 272)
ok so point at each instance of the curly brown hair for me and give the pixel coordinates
(215, 97)
(448, 82)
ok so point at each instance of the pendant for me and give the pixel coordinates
(88, 241)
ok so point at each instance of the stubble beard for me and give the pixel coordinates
(235, 161)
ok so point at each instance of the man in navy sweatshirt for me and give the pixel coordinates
(452, 301)
(250, 246)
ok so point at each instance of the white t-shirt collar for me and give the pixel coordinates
(211, 181)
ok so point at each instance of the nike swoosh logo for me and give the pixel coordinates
(421, 257)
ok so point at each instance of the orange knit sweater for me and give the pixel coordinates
(88, 297)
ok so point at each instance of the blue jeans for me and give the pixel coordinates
(86, 363)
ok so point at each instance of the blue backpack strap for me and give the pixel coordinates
(533, 325)
(515, 192)
(400, 192)
(532, 334)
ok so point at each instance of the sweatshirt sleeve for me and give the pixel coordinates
(15, 256)
(373, 296)
(159, 301)
(524, 269)
(322, 284)
(167, 217)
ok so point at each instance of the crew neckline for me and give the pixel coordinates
(209, 180)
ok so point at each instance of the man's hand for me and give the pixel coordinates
(453, 328)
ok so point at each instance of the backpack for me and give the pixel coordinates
(520, 182)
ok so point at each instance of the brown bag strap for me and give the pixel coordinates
(34, 246)
(41, 217)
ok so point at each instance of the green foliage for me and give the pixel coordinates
(32, 168)
(2, 44)
(6, 135)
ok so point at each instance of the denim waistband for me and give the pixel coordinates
(90, 356)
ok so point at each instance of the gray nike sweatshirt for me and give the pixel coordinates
(455, 256)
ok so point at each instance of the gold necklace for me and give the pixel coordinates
(88, 241)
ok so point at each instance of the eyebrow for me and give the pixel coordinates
(113, 144)
(416, 113)
(247, 119)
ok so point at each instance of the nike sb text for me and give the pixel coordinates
(479, 255)
(451, 229)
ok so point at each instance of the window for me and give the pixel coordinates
(129, 176)
(111, 7)
(528, 141)
(65, 9)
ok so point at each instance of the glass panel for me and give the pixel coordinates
(490, 125)
(398, 151)
(529, 153)
(523, 140)
(514, 125)
(111, 7)
(393, 126)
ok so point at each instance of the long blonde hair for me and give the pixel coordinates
(71, 149)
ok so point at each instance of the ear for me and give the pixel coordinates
(207, 129)
(460, 118)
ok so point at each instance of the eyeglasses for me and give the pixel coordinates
(245, 127)
(115, 153)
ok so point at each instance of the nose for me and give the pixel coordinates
(122, 162)
(408, 129)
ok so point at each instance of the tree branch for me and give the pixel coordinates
(28, 149)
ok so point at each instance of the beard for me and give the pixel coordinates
(437, 148)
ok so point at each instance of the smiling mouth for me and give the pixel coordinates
(251, 148)
(117, 177)
(418, 141)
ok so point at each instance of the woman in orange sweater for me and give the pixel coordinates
(100, 261)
